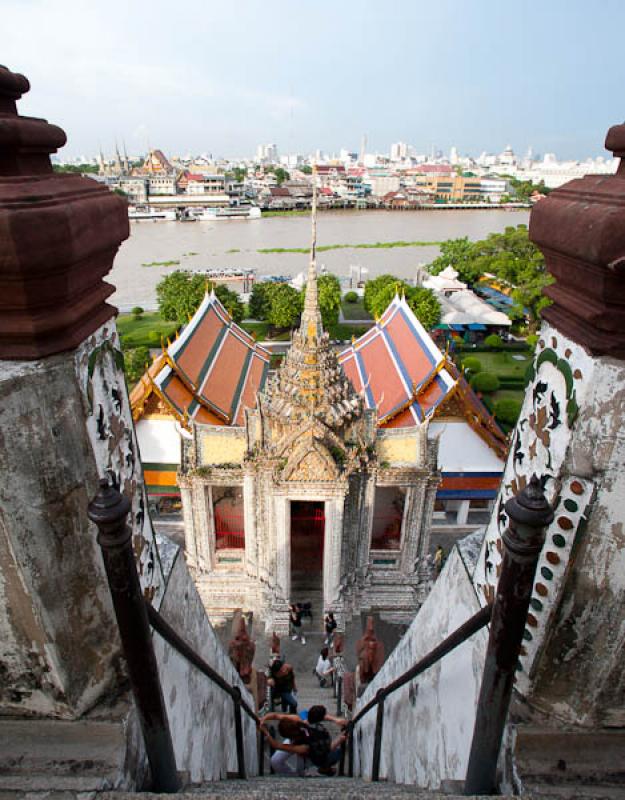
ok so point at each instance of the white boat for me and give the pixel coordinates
(232, 212)
(149, 212)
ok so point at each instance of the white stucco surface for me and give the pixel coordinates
(200, 714)
(460, 449)
(428, 723)
(159, 441)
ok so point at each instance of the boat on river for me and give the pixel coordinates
(148, 212)
(231, 212)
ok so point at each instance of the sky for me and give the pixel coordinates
(205, 76)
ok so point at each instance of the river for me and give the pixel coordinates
(234, 243)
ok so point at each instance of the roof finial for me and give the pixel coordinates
(311, 317)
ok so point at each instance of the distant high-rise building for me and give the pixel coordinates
(267, 153)
(399, 151)
(453, 156)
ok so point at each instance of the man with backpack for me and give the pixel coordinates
(308, 740)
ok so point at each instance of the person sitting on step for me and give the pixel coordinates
(308, 740)
(324, 668)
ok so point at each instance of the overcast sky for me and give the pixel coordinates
(221, 77)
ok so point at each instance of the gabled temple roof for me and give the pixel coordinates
(404, 376)
(210, 374)
(398, 368)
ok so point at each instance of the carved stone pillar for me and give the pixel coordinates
(334, 510)
(190, 537)
(249, 512)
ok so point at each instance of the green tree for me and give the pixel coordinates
(260, 301)
(135, 361)
(329, 293)
(285, 305)
(351, 297)
(239, 174)
(281, 175)
(76, 168)
(306, 169)
(137, 312)
(374, 286)
(231, 301)
(179, 294)
(458, 253)
(426, 307)
(380, 291)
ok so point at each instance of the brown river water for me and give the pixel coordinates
(234, 243)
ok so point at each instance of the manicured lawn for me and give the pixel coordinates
(145, 331)
(502, 364)
(355, 310)
(263, 332)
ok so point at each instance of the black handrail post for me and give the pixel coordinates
(261, 753)
(350, 752)
(238, 731)
(108, 510)
(339, 696)
(377, 738)
(529, 514)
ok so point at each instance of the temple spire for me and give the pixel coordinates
(311, 325)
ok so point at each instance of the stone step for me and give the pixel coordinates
(279, 788)
(81, 756)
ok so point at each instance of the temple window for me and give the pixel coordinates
(228, 516)
(388, 512)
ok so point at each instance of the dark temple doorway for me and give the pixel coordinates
(307, 535)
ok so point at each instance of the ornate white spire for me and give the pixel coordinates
(311, 325)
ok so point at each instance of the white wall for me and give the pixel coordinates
(200, 714)
(159, 441)
(461, 449)
(428, 724)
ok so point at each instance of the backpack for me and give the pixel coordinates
(319, 743)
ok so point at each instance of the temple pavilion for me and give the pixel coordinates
(318, 480)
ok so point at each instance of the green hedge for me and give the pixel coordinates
(485, 382)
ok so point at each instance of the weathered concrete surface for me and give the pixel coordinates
(428, 723)
(570, 433)
(314, 788)
(200, 714)
(71, 756)
(58, 642)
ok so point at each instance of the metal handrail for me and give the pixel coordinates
(164, 629)
(460, 635)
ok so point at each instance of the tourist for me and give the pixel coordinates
(295, 616)
(330, 626)
(324, 668)
(282, 681)
(309, 741)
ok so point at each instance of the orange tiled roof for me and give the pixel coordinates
(211, 373)
(403, 375)
(398, 368)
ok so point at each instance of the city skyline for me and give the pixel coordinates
(221, 79)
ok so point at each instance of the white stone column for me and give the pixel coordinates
(334, 510)
(463, 512)
(282, 519)
(190, 541)
(205, 525)
(412, 527)
(249, 516)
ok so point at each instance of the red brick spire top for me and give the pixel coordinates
(580, 228)
(58, 236)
